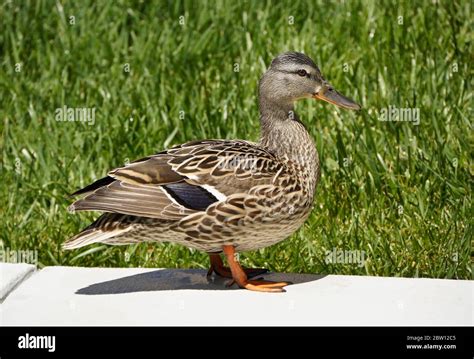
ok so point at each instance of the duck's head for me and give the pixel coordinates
(293, 76)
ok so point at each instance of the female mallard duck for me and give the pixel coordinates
(221, 195)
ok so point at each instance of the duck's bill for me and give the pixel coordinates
(332, 96)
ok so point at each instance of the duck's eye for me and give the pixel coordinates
(302, 73)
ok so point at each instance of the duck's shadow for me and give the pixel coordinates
(174, 279)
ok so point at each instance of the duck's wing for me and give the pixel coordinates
(183, 180)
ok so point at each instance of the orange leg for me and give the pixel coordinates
(239, 276)
(218, 267)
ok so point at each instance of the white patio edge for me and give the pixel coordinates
(138, 296)
(11, 275)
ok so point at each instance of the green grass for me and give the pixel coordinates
(399, 192)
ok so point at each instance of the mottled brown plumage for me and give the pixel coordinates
(221, 195)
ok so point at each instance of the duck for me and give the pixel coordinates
(221, 196)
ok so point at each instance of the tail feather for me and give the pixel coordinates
(105, 227)
(90, 236)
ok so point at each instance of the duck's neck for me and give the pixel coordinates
(284, 134)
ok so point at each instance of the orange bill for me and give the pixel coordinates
(330, 95)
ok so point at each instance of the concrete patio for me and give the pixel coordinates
(139, 296)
